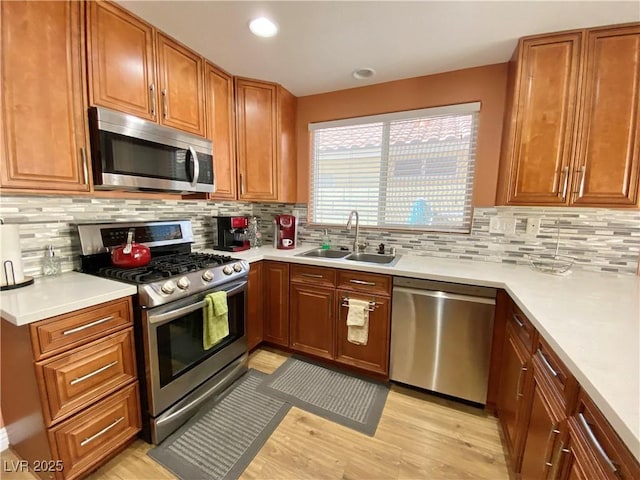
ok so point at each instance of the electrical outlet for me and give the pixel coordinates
(533, 226)
(504, 225)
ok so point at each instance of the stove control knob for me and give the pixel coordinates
(183, 283)
(207, 276)
(227, 270)
(237, 267)
(168, 287)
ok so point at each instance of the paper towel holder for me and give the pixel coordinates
(8, 264)
(11, 286)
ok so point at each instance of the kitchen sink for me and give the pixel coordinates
(320, 253)
(373, 258)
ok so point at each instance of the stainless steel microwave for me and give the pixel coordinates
(129, 153)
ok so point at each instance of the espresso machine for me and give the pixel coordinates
(285, 235)
(231, 233)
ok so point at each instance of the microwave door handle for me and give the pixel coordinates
(196, 166)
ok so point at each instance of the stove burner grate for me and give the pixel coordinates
(165, 267)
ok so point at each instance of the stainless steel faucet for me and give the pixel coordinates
(357, 246)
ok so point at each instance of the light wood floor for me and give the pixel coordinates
(419, 437)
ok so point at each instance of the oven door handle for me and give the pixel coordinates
(161, 318)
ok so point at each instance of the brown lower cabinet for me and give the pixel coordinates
(255, 306)
(72, 379)
(552, 429)
(514, 381)
(276, 302)
(319, 316)
(546, 413)
(312, 320)
(304, 310)
(374, 356)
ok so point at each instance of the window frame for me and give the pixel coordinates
(473, 108)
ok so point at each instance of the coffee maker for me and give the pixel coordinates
(285, 235)
(231, 233)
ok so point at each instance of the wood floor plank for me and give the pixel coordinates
(419, 436)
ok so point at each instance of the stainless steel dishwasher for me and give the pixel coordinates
(441, 337)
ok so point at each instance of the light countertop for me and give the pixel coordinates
(51, 296)
(591, 320)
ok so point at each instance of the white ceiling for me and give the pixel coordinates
(320, 43)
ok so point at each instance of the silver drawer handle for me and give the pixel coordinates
(517, 320)
(565, 172)
(95, 372)
(165, 104)
(595, 443)
(547, 364)
(101, 432)
(88, 325)
(362, 282)
(152, 97)
(549, 451)
(518, 393)
(313, 275)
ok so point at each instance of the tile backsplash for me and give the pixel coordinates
(598, 239)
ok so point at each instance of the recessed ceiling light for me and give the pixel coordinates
(263, 27)
(363, 73)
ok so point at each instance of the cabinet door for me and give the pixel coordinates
(220, 129)
(276, 302)
(255, 295)
(576, 459)
(546, 97)
(43, 132)
(513, 388)
(181, 84)
(608, 166)
(256, 134)
(312, 319)
(121, 66)
(287, 153)
(374, 356)
(540, 444)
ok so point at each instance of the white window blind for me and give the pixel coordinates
(408, 170)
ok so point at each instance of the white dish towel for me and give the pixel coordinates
(358, 321)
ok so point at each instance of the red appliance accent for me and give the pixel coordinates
(285, 232)
(239, 222)
(131, 254)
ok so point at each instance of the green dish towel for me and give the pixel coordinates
(215, 325)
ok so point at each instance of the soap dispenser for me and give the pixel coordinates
(50, 263)
(326, 243)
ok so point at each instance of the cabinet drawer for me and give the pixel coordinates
(371, 283)
(549, 365)
(86, 439)
(75, 379)
(611, 453)
(522, 327)
(313, 275)
(63, 332)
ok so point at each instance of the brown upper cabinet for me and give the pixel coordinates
(266, 141)
(571, 130)
(221, 130)
(135, 69)
(43, 132)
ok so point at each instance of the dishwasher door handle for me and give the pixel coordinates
(445, 295)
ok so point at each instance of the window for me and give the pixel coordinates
(409, 170)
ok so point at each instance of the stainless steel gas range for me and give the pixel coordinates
(176, 373)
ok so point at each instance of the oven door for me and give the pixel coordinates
(176, 359)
